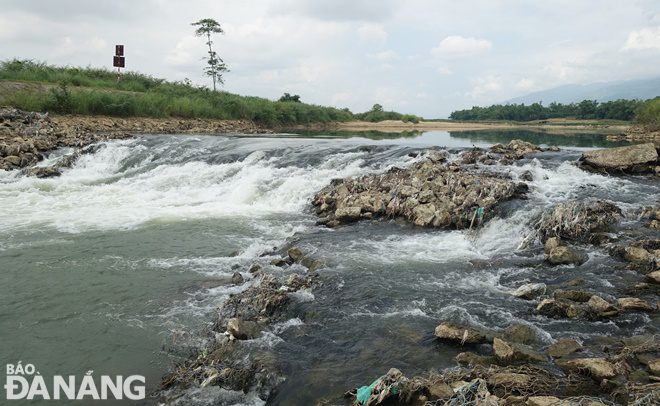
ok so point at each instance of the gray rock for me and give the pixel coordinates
(565, 256)
(564, 347)
(453, 332)
(530, 291)
(600, 305)
(469, 358)
(513, 352)
(243, 330)
(550, 244)
(348, 214)
(634, 304)
(597, 368)
(237, 278)
(295, 254)
(573, 295)
(519, 333)
(622, 158)
(654, 276)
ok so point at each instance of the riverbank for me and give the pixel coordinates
(548, 126)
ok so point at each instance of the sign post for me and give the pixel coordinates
(118, 60)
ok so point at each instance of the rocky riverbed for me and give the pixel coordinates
(514, 366)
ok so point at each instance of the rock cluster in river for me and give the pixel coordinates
(430, 193)
(224, 360)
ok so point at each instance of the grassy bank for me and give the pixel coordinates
(94, 91)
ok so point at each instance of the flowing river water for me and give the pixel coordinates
(117, 263)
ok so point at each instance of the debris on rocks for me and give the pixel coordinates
(577, 220)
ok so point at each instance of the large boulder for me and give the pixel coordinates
(242, 330)
(348, 214)
(519, 333)
(635, 158)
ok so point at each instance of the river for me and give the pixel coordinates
(116, 265)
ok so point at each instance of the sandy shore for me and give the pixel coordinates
(554, 127)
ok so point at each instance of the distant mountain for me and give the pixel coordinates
(642, 89)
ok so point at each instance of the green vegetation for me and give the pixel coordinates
(286, 97)
(377, 113)
(648, 114)
(585, 110)
(206, 27)
(95, 91)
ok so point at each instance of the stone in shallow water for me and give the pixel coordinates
(564, 347)
(453, 332)
(530, 291)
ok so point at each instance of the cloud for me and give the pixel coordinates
(525, 84)
(647, 38)
(485, 85)
(444, 70)
(385, 55)
(339, 10)
(372, 33)
(456, 46)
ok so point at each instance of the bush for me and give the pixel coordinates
(648, 114)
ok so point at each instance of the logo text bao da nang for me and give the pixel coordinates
(23, 382)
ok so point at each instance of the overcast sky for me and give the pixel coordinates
(427, 57)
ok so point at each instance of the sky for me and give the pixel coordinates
(424, 57)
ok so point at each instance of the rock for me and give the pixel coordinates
(242, 330)
(634, 304)
(637, 255)
(600, 305)
(453, 332)
(237, 278)
(423, 215)
(519, 333)
(622, 158)
(254, 269)
(550, 244)
(543, 401)
(512, 352)
(469, 358)
(559, 308)
(530, 291)
(438, 156)
(522, 148)
(440, 390)
(597, 368)
(278, 262)
(528, 176)
(654, 276)
(579, 296)
(553, 148)
(509, 380)
(565, 256)
(295, 254)
(654, 366)
(13, 159)
(564, 347)
(348, 214)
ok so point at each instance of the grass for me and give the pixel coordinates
(94, 91)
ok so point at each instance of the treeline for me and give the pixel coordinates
(377, 113)
(93, 91)
(624, 110)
